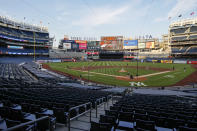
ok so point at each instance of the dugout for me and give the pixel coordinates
(111, 55)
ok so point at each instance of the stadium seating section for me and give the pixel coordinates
(149, 113)
(27, 93)
(63, 54)
(184, 50)
(192, 37)
(179, 38)
(23, 35)
(178, 30)
(193, 29)
(192, 50)
(23, 51)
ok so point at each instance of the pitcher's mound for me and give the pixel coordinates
(122, 70)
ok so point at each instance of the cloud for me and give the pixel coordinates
(63, 15)
(181, 7)
(3, 13)
(104, 15)
(160, 19)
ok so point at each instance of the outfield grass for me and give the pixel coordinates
(165, 79)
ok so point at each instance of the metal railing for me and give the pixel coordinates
(29, 123)
(78, 115)
(100, 100)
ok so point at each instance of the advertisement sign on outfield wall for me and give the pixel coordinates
(74, 46)
(141, 45)
(15, 47)
(68, 41)
(82, 44)
(166, 61)
(130, 44)
(67, 45)
(191, 62)
(150, 45)
(180, 61)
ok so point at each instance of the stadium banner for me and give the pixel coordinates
(82, 44)
(155, 61)
(180, 62)
(74, 46)
(68, 41)
(129, 57)
(191, 62)
(150, 45)
(67, 60)
(89, 53)
(15, 47)
(141, 45)
(55, 61)
(166, 61)
(92, 43)
(95, 53)
(109, 39)
(130, 44)
(42, 61)
(67, 45)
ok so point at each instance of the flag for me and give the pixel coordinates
(192, 13)
(24, 18)
(169, 18)
(180, 15)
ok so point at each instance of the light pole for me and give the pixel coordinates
(137, 58)
(88, 73)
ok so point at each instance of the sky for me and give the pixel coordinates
(95, 18)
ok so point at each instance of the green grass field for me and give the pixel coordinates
(104, 73)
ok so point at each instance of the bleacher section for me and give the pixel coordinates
(25, 105)
(24, 51)
(33, 68)
(183, 36)
(56, 53)
(21, 38)
(175, 50)
(192, 50)
(178, 30)
(184, 50)
(193, 37)
(22, 35)
(179, 38)
(193, 29)
(150, 113)
(29, 75)
(13, 72)
(28, 94)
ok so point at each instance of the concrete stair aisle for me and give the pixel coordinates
(82, 123)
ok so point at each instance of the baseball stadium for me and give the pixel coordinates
(105, 83)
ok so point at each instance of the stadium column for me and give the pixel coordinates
(34, 46)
